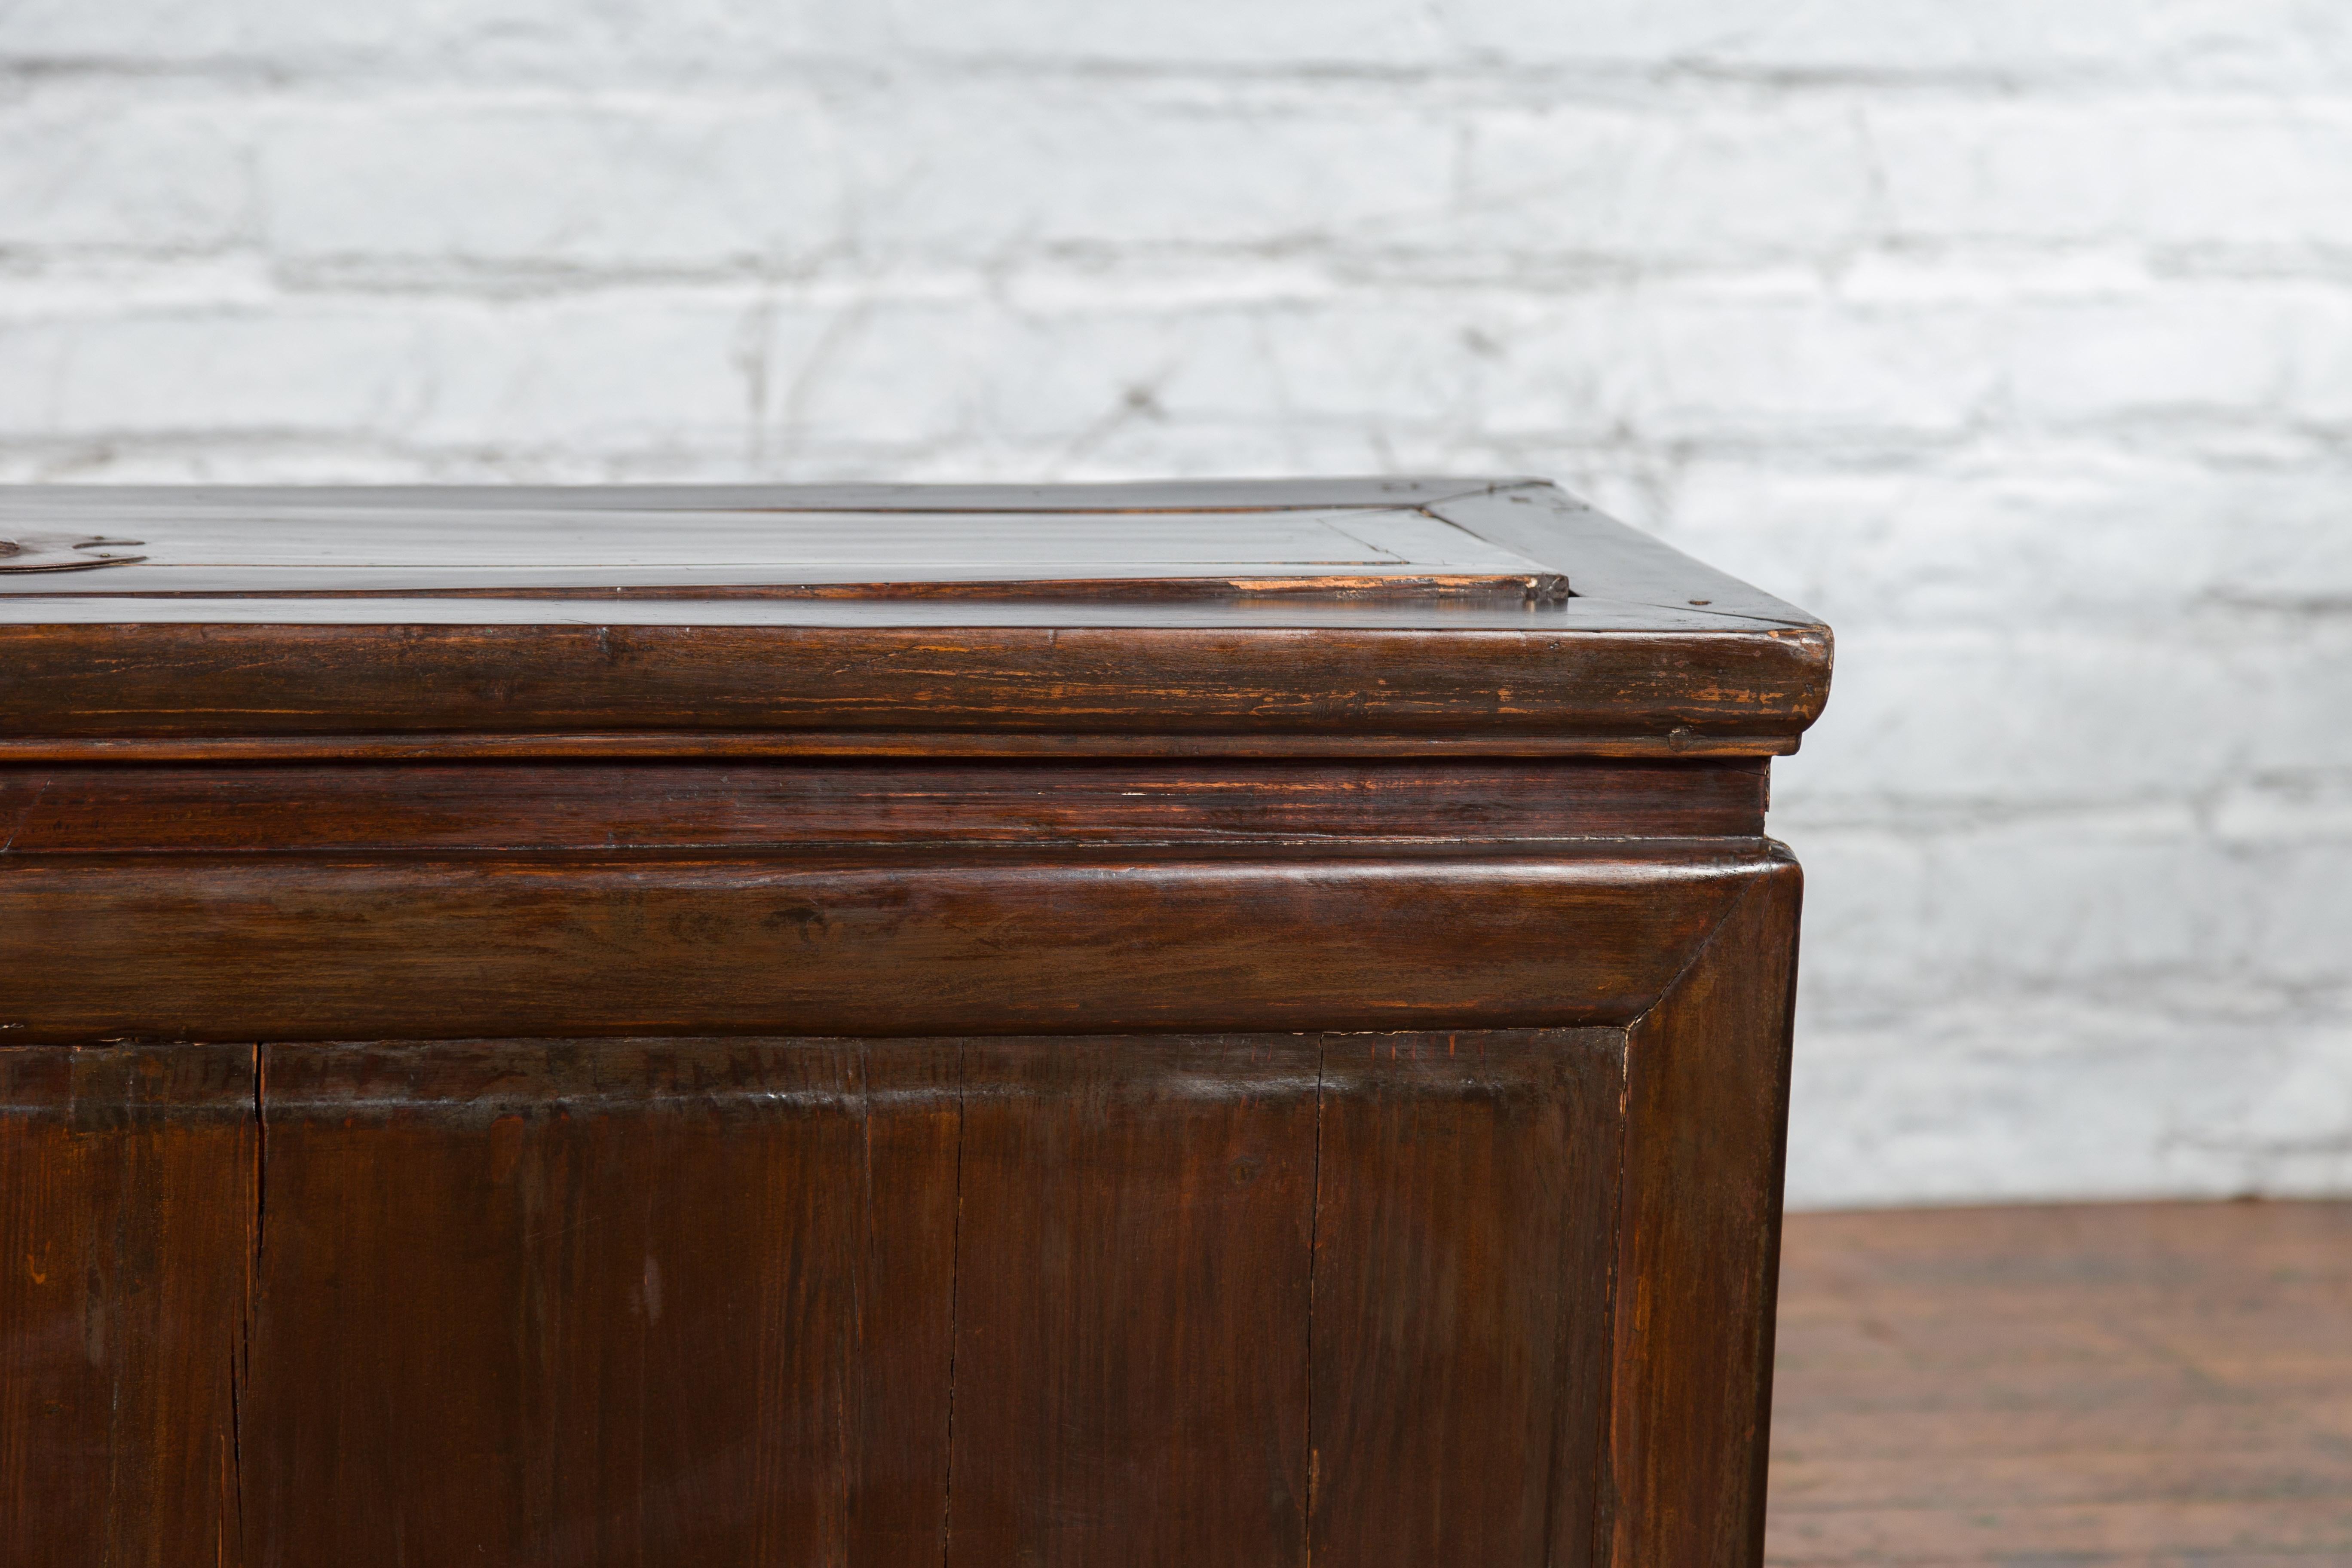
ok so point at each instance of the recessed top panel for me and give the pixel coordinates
(437, 550)
(1260, 617)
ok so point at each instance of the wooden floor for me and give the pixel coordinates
(2128, 1383)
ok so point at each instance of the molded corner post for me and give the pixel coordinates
(1699, 1244)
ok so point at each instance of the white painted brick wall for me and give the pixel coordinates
(2014, 336)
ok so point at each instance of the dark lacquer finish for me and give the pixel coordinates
(634, 805)
(1219, 1024)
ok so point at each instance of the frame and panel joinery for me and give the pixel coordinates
(1122, 1080)
(862, 1301)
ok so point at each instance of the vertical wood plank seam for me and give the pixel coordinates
(1604, 1512)
(240, 1369)
(260, 1171)
(853, 1456)
(117, 1306)
(253, 1271)
(1314, 1238)
(233, 1504)
(955, 1280)
(1562, 1361)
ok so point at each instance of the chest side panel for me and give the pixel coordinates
(1062, 1301)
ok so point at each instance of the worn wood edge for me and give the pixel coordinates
(1605, 557)
(102, 681)
(1748, 958)
(1480, 689)
(618, 745)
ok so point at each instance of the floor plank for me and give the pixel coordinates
(2109, 1385)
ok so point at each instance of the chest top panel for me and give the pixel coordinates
(417, 546)
(1275, 618)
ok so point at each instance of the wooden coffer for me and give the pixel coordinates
(1207, 1024)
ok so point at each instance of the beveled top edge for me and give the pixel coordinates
(1654, 651)
(1646, 583)
(1615, 562)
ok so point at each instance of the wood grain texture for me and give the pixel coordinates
(127, 1206)
(271, 948)
(108, 681)
(1256, 1299)
(2104, 1384)
(1706, 1131)
(1464, 1222)
(444, 746)
(1048, 1077)
(1132, 1315)
(1650, 664)
(717, 805)
(625, 1302)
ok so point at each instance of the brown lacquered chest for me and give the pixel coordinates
(1207, 1024)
